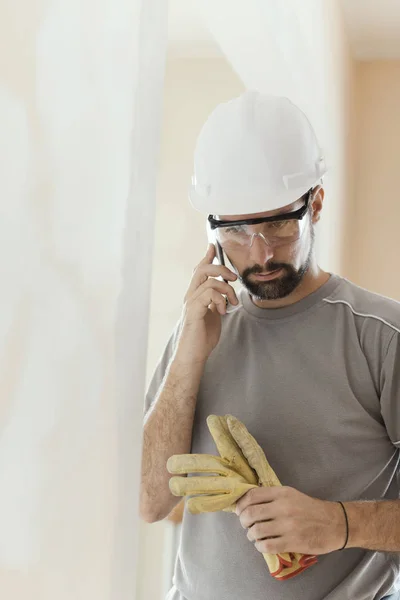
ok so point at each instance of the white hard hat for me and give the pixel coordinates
(255, 153)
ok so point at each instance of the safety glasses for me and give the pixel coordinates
(276, 231)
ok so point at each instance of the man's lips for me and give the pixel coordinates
(267, 276)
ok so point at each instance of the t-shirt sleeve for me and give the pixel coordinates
(390, 389)
(161, 368)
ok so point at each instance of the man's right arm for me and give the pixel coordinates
(169, 419)
(167, 430)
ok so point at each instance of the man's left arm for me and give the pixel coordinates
(374, 525)
(286, 520)
(283, 519)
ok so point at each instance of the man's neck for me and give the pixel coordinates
(312, 280)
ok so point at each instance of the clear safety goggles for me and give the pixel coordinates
(276, 231)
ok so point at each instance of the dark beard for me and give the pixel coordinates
(278, 288)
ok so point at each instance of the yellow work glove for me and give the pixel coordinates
(229, 475)
(242, 466)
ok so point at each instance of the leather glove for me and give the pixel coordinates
(241, 466)
(233, 476)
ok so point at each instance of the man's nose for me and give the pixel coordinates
(260, 251)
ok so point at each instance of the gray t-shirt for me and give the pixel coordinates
(318, 385)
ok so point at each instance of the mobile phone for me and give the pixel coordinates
(221, 259)
(220, 253)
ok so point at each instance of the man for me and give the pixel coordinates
(308, 361)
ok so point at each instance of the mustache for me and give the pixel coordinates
(271, 266)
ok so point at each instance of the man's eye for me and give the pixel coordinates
(277, 224)
(234, 230)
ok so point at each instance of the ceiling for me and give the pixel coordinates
(373, 27)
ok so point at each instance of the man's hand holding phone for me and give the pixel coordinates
(205, 302)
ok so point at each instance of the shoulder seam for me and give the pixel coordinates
(362, 314)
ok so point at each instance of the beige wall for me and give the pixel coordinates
(374, 236)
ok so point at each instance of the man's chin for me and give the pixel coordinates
(261, 293)
(276, 289)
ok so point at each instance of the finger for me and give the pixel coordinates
(183, 464)
(257, 513)
(208, 257)
(257, 496)
(229, 449)
(253, 452)
(220, 286)
(264, 529)
(196, 280)
(204, 300)
(205, 270)
(197, 308)
(213, 307)
(202, 504)
(271, 545)
(211, 270)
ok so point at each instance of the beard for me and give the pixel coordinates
(283, 285)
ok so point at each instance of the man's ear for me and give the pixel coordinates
(317, 202)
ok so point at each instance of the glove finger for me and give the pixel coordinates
(183, 464)
(203, 504)
(189, 486)
(253, 452)
(228, 448)
(215, 502)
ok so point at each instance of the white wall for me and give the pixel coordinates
(193, 87)
(72, 85)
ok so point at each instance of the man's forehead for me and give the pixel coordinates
(270, 213)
